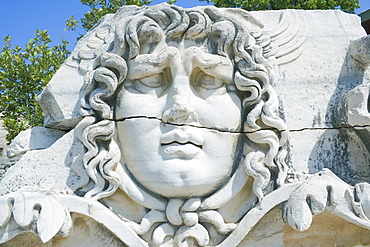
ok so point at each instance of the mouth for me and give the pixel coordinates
(177, 143)
(181, 143)
(180, 150)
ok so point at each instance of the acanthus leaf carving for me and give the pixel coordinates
(325, 191)
(32, 211)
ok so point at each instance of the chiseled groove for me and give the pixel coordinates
(243, 132)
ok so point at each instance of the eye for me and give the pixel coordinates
(206, 85)
(152, 81)
(209, 82)
(156, 83)
(204, 81)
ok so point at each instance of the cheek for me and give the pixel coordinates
(138, 139)
(221, 112)
(220, 150)
(131, 103)
(221, 145)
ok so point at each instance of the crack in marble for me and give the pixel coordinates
(242, 132)
(330, 128)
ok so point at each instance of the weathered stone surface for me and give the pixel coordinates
(5, 162)
(200, 127)
(33, 139)
(53, 168)
(59, 101)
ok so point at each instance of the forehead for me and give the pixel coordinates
(184, 46)
(180, 59)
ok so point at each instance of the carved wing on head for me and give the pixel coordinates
(286, 38)
(94, 43)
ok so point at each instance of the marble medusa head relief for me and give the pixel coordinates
(178, 137)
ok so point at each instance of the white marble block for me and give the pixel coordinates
(200, 127)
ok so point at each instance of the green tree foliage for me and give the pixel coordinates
(24, 72)
(345, 5)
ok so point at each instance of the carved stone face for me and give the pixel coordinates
(176, 115)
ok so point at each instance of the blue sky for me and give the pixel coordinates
(20, 18)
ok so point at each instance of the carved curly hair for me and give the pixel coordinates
(231, 33)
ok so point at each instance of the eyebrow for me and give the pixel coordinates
(147, 64)
(214, 65)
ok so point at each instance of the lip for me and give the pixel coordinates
(181, 143)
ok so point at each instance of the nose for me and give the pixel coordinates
(178, 108)
(180, 114)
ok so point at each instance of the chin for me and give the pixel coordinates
(185, 184)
